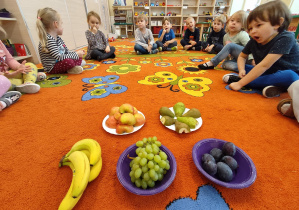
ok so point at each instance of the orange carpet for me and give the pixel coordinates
(38, 130)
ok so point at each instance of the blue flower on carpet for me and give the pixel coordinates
(207, 198)
(108, 62)
(245, 89)
(163, 64)
(101, 87)
(196, 60)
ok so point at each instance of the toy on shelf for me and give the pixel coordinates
(152, 4)
(135, 3)
(145, 3)
(163, 4)
(146, 13)
(173, 14)
(140, 4)
(208, 13)
(157, 4)
(168, 14)
(136, 13)
(162, 14)
(177, 31)
(154, 14)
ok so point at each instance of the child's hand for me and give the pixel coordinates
(23, 69)
(193, 43)
(242, 73)
(166, 44)
(107, 50)
(94, 29)
(80, 53)
(209, 48)
(164, 31)
(227, 42)
(149, 48)
(235, 86)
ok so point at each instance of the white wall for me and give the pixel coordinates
(295, 7)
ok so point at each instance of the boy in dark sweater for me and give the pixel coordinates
(214, 44)
(191, 36)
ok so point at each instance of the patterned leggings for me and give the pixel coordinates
(30, 77)
(63, 66)
(4, 85)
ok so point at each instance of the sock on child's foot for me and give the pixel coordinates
(285, 108)
(3, 104)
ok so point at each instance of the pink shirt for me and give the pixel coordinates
(5, 57)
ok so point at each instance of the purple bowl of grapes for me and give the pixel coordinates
(243, 176)
(123, 170)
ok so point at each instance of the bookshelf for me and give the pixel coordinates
(178, 11)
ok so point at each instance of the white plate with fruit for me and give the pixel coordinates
(171, 121)
(123, 120)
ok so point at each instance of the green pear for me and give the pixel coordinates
(179, 109)
(181, 127)
(190, 121)
(167, 121)
(195, 113)
(165, 111)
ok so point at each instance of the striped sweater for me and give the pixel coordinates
(57, 51)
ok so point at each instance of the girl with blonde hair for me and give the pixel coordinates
(55, 56)
(234, 40)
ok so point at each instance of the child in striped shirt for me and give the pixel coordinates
(55, 56)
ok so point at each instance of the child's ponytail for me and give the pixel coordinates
(44, 22)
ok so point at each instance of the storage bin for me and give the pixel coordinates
(156, 29)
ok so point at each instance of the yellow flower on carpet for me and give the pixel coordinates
(191, 69)
(195, 86)
(163, 64)
(145, 61)
(124, 68)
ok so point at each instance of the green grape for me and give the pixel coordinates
(138, 182)
(144, 168)
(156, 150)
(133, 179)
(144, 140)
(163, 155)
(152, 184)
(158, 143)
(165, 171)
(139, 143)
(131, 173)
(138, 150)
(131, 163)
(143, 161)
(135, 167)
(167, 161)
(144, 154)
(156, 177)
(157, 159)
(149, 182)
(137, 160)
(140, 154)
(150, 156)
(167, 167)
(156, 168)
(143, 184)
(150, 164)
(146, 176)
(148, 149)
(162, 164)
(138, 173)
(160, 177)
(161, 170)
(152, 173)
(155, 138)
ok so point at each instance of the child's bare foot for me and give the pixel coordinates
(186, 47)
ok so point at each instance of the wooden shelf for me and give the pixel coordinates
(21, 57)
(12, 19)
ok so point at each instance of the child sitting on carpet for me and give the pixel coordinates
(166, 39)
(55, 56)
(190, 40)
(214, 43)
(22, 76)
(98, 46)
(234, 40)
(144, 40)
(274, 49)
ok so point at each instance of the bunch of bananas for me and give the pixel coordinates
(85, 160)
